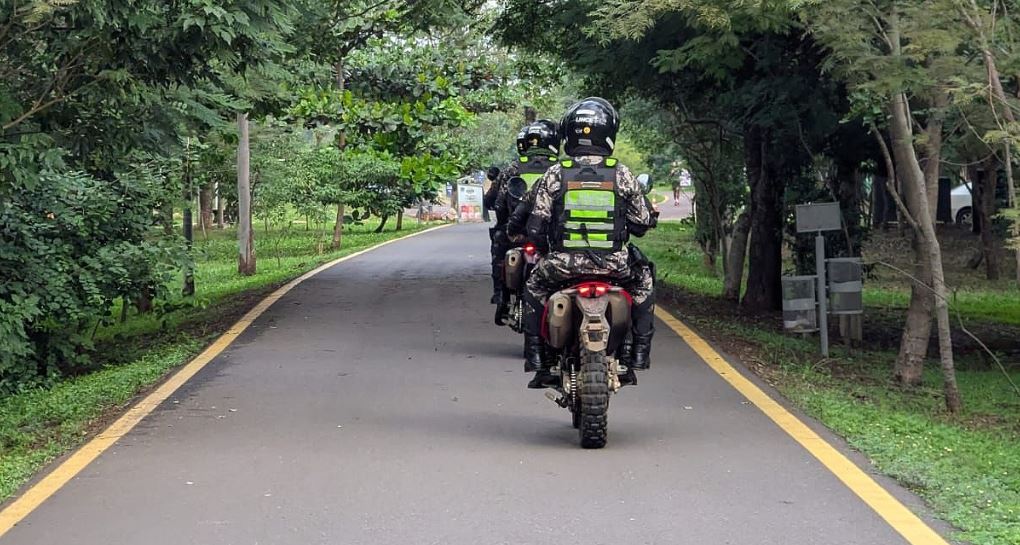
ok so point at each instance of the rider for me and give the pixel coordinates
(495, 239)
(538, 146)
(587, 207)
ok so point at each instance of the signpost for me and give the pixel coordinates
(818, 218)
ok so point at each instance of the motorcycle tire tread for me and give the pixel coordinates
(594, 402)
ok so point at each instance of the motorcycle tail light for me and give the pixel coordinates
(529, 249)
(592, 289)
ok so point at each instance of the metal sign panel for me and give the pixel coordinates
(824, 216)
(469, 203)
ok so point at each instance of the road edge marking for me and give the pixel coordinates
(880, 500)
(79, 459)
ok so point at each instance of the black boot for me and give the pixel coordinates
(629, 378)
(640, 357)
(497, 289)
(502, 300)
(642, 329)
(533, 345)
(544, 378)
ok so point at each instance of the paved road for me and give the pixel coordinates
(375, 404)
(669, 212)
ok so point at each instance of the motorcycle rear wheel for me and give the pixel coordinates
(594, 397)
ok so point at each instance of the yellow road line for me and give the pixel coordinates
(67, 470)
(897, 515)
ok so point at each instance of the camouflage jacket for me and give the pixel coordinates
(640, 214)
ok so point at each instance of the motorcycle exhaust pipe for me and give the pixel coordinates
(560, 320)
(514, 269)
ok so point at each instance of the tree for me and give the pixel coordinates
(748, 64)
(993, 29)
(888, 51)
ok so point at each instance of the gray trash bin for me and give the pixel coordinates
(800, 312)
(845, 286)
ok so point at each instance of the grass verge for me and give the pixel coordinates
(38, 426)
(966, 466)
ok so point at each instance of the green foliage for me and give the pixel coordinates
(72, 244)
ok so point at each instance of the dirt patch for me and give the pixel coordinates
(959, 247)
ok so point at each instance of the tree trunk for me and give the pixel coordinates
(338, 228)
(341, 85)
(995, 82)
(166, 213)
(764, 292)
(143, 303)
(529, 115)
(219, 206)
(205, 206)
(400, 219)
(382, 224)
(983, 210)
(913, 181)
(1011, 188)
(245, 235)
(189, 236)
(909, 366)
(737, 253)
(933, 149)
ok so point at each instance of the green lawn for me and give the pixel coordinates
(37, 426)
(966, 466)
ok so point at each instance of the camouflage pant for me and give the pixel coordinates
(559, 268)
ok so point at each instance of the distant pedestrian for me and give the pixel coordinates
(676, 191)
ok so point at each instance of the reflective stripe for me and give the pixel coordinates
(590, 198)
(589, 236)
(607, 244)
(575, 208)
(589, 214)
(574, 226)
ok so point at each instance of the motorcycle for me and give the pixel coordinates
(517, 266)
(587, 326)
(587, 329)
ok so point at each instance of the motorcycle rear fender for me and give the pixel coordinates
(594, 329)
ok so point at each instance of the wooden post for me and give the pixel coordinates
(245, 235)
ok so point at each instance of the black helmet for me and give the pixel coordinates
(543, 137)
(522, 141)
(493, 172)
(589, 128)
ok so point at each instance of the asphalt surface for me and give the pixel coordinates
(377, 404)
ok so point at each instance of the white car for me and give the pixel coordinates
(961, 203)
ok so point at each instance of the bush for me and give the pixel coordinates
(70, 245)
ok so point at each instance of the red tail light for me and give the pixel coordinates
(592, 289)
(530, 249)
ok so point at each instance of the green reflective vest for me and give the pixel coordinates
(589, 213)
(531, 169)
